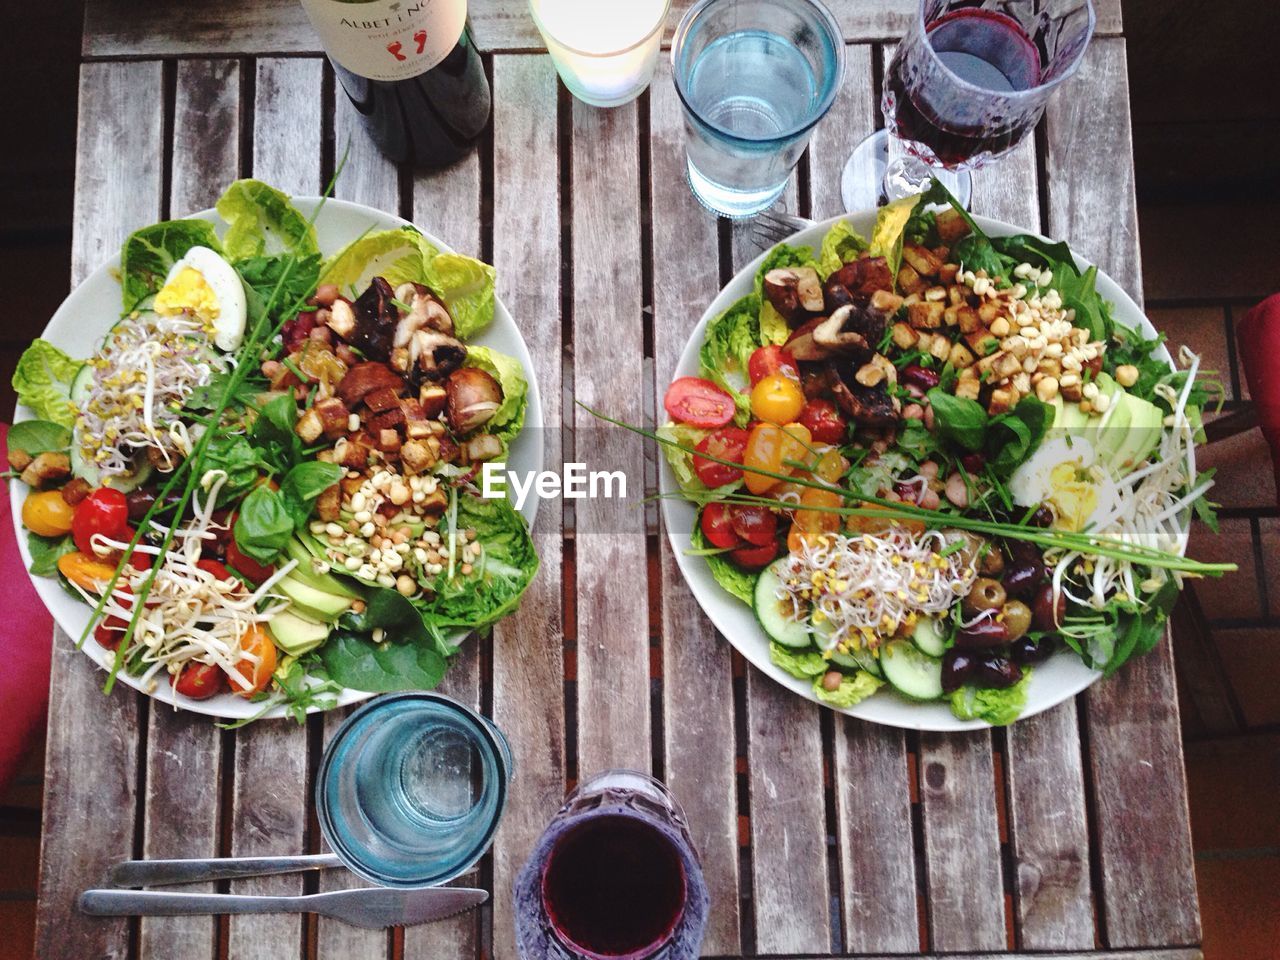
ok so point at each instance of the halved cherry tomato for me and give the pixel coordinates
(86, 571)
(256, 572)
(754, 558)
(813, 518)
(219, 570)
(109, 631)
(699, 403)
(106, 512)
(257, 643)
(200, 681)
(717, 526)
(47, 514)
(756, 525)
(824, 421)
(727, 443)
(763, 452)
(777, 398)
(771, 359)
(831, 466)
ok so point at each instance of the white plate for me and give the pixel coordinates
(84, 318)
(1062, 676)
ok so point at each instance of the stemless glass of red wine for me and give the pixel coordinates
(969, 80)
(614, 877)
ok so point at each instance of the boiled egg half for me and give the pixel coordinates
(206, 287)
(1065, 475)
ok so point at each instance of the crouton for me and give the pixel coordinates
(418, 456)
(484, 446)
(968, 389)
(329, 503)
(309, 426)
(951, 226)
(19, 459)
(960, 356)
(47, 469)
(925, 262)
(903, 336)
(926, 315)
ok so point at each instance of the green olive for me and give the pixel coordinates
(986, 594)
(1017, 619)
(990, 560)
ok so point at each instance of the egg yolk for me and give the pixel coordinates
(1072, 495)
(189, 292)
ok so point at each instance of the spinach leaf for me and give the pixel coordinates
(38, 436)
(45, 552)
(241, 461)
(975, 252)
(148, 255)
(355, 661)
(1026, 248)
(263, 524)
(272, 431)
(1079, 293)
(1014, 436)
(958, 419)
(303, 484)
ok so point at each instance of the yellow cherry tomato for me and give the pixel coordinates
(777, 398)
(797, 446)
(47, 514)
(764, 452)
(87, 572)
(814, 518)
(257, 643)
(831, 466)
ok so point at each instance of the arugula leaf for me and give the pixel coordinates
(915, 439)
(303, 484)
(261, 219)
(296, 278)
(148, 255)
(272, 431)
(734, 579)
(1079, 293)
(958, 419)
(1014, 436)
(38, 436)
(45, 552)
(42, 380)
(355, 661)
(263, 524)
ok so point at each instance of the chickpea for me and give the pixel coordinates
(957, 491)
(986, 594)
(831, 680)
(1017, 618)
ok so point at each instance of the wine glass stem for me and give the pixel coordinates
(904, 176)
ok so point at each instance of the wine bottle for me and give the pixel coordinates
(412, 72)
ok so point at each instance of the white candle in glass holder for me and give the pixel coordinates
(605, 51)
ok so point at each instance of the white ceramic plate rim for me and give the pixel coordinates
(339, 223)
(1061, 677)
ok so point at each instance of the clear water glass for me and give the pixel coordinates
(411, 788)
(754, 77)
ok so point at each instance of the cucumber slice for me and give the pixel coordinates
(859, 658)
(930, 636)
(911, 672)
(80, 387)
(776, 615)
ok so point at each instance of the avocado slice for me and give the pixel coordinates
(296, 634)
(306, 572)
(1146, 424)
(313, 603)
(1114, 427)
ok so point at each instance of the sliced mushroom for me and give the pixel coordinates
(794, 291)
(483, 446)
(342, 319)
(436, 354)
(837, 335)
(375, 319)
(868, 406)
(473, 398)
(425, 313)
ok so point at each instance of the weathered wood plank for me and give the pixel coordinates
(1139, 786)
(613, 623)
(184, 750)
(118, 28)
(528, 648)
(961, 841)
(269, 800)
(1174, 954)
(698, 736)
(91, 758)
(873, 799)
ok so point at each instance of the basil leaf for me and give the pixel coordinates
(303, 484)
(272, 431)
(355, 661)
(45, 552)
(263, 525)
(958, 419)
(241, 461)
(1014, 436)
(38, 436)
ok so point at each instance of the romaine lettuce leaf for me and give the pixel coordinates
(730, 340)
(783, 255)
(261, 220)
(891, 224)
(997, 707)
(508, 419)
(399, 255)
(148, 255)
(841, 245)
(804, 664)
(853, 689)
(42, 381)
(734, 579)
(466, 285)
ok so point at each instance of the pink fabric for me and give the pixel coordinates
(1259, 336)
(26, 646)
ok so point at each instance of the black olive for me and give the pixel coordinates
(997, 672)
(1022, 578)
(983, 634)
(139, 502)
(957, 665)
(1028, 650)
(1043, 614)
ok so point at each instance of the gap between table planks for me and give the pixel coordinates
(117, 82)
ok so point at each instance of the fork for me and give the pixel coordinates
(774, 225)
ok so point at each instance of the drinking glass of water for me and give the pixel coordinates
(755, 77)
(614, 877)
(411, 788)
(968, 82)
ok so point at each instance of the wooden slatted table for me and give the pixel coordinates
(1064, 835)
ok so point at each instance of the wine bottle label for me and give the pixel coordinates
(388, 39)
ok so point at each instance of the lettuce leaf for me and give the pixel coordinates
(887, 235)
(853, 689)
(783, 255)
(148, 255)
(466, 285)
(399, 255)
(261, 220)
(730, 340)
(734, 579)
(841, 245)
(42, 380)
(804, 664)
(508, 419)
(681, 462)
(997, 707)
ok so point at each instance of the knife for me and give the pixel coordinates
(145, 873)
(372, 907)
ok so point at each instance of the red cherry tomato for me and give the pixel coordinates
(769, 360)
(199, 681)
(219, 570)
(717, 528)
(109, 631)
(105, 511)
(756, 525)
(754, 558)
(824, 421)
(247, 567)
(727, 443)
(699, 403)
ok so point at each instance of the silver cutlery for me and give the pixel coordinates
(371, 907)
(146, 873)
(773, 225)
